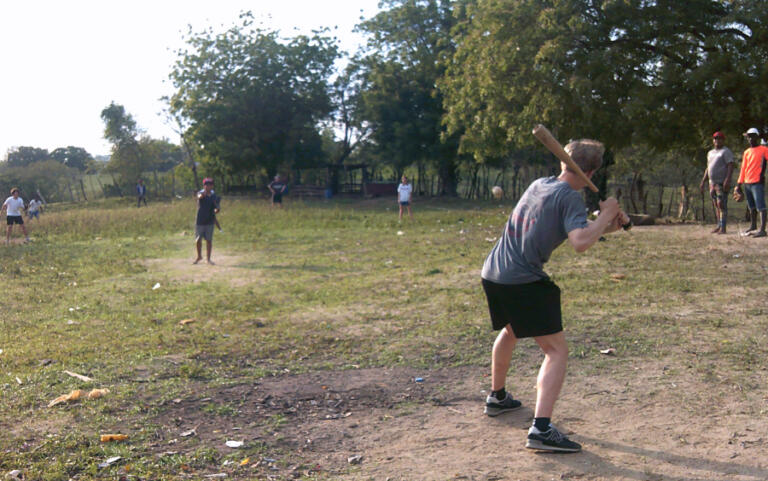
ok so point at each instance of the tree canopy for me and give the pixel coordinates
(660, 73)
(400, 97)
(252, 100)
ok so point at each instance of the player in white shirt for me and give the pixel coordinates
(33, 209)
(404, 191)
(14, 206)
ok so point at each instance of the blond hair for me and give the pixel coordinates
(587, 153)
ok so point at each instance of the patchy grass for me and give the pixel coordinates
(322, 287)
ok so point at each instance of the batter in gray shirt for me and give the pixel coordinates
(541, 221)
(717, 164)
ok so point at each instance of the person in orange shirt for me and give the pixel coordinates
(752, 178)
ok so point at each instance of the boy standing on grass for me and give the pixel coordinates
(207, 208)
(277, 187)
(14, 205)
(404, 191)
(33, 209)
(141, 193)
(524, 302)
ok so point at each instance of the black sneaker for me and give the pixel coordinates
(551, 440)
(494, 407)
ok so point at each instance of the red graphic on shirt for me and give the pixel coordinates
(519, 225)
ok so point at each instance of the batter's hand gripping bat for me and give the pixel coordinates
(551, 143)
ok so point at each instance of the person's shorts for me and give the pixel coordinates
(405, 204)
(719, 195)
(204, 232)
(15, 219)
(277, 198)
(532, 309)
(34, 215)
(755, 194)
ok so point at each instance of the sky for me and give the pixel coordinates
(62, 62)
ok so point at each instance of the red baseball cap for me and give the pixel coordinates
(207, 180)
(718, 134)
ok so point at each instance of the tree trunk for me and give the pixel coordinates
(192, 163)
(671, 201)
(660, 211)
(632, 191)
(41, 196)
(681, 213)
(157, 183)
(117, 186)
(449, 177)
(82, 189)
(71, 194)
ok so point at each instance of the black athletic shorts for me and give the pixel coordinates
(532, 309)
(14, 219)
(277, 198)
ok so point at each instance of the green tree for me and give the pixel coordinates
(128, 158)
(348, 119)
(401, 100)
(23, 156)
(74, 157)
(661, 74)
(250, 100)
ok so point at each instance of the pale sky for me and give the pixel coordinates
(63, 61)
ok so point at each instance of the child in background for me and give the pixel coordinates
(404, 191)
(33, 209)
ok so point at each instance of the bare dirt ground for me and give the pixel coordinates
(638, 419)
(226, 267)
(435, 429)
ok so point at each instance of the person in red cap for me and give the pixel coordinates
(207, 207)
(719, 170)
(752, 180)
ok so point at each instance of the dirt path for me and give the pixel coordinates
(435, 429)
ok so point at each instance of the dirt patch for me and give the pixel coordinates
(632, 428)
(232, 269)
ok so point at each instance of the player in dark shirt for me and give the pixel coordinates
(277, 187)
(207, 208)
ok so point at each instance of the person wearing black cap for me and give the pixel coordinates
(207, 208)
(718, 171)
(752, 180)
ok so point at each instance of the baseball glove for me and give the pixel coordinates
(738, 196)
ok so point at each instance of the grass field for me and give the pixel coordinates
(306, 300)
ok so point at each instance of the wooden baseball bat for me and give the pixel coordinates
(550, 142)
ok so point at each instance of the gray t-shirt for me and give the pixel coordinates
(541, 221)
(717, 164)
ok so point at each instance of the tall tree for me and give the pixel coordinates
(74, 157)
(348, 119)
(402, 103)
(251, 100)
(23, 156)
(663, 74)
(128, 157)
